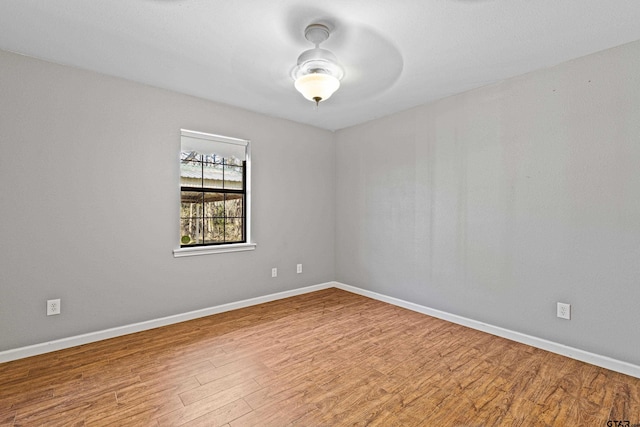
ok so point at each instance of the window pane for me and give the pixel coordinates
(190, 169)
(190, 218)
(214, 205)
(190, 204)
(190, 231)
(233, 206)
(209, 218)
(212, 170)
(214, 230)
(233, 230)
(233, 177)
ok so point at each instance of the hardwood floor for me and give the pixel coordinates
(328, 358)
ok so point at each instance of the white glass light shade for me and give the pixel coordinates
(317, 86)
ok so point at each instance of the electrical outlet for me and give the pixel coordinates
(564, 310)
(53, 307)
(274, 272)
(299, 268)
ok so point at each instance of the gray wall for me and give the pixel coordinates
(89, 203)
(497, 203)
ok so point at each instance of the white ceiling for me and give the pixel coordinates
(397, 54)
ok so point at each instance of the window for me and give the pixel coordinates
(214, 194)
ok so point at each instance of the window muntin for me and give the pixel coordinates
(214, 190)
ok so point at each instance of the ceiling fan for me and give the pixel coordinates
(354, 61)
(318, 73)
(360, 62)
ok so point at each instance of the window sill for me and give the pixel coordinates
(217, 249)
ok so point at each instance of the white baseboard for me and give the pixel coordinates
(574, 353)
(564, 350)
(36, 349)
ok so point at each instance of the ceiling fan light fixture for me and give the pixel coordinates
(317, 86)
(317, 74)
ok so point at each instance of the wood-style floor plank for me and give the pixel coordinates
(327, 358)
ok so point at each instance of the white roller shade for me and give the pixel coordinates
(206, 143)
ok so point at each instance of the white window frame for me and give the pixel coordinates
(248, 245)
